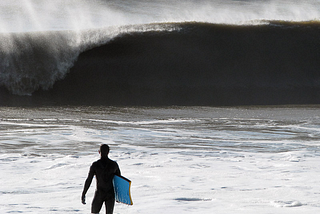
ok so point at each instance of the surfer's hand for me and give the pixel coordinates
(83, 199)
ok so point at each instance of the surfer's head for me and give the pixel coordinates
(104, 150)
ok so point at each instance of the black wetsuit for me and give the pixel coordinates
(104, 170)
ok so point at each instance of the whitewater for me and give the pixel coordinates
(187, 95)
(182, 159)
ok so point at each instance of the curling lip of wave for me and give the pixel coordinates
(36, 60)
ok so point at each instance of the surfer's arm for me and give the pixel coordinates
(117, 172)
(87, 185)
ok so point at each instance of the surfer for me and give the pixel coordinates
(104, 169)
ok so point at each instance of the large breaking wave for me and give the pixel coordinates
(169, 64)
(36, 60)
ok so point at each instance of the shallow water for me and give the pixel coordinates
(180, 159)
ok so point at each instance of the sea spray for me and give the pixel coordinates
(33, 60)
(47, 15)
(40, 40)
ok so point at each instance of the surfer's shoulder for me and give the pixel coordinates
(95, 164)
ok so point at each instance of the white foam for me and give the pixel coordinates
(162, 180)
(43, 170)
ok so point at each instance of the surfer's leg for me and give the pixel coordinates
(109, 205)
(96, 203)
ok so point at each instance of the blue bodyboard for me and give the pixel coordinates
(121, 187)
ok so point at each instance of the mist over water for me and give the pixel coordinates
(40, 15)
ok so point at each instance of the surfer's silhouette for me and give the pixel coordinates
(104, 170)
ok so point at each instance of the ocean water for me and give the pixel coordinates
(141, 52)
(208, 106)
(179, 159)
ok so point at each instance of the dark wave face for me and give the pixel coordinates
(190, 64)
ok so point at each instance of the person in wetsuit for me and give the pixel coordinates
(104, 170)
